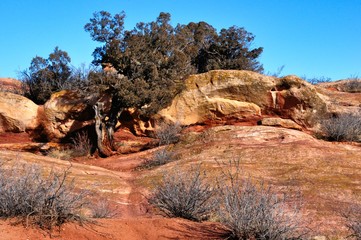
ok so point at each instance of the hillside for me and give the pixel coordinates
(225, 123)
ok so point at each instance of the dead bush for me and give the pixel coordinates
(345, 127)
(184, 194)
(353, 220)
(103, 209)
(251, 210)
(82, 144)
(353, 85)
(46, 201)
(317, 80)
(160, 157)
(168, 133)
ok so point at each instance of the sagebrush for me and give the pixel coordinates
(345, 127)
(103, 209)
(184, 194)
(158, 158)
(47, 200)
(168, 133)
(251, 210)
(352, 217)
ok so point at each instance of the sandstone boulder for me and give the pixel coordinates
(244, 96)
(65, 112)
(17, 113)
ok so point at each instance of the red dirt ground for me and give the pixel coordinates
(133, 222)
(327, 173)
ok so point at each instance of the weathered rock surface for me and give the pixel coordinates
(244, 95)
(279, 122)
(64, 113)
(340, 102)
(217, 96)
(17, 113)
(327, 174)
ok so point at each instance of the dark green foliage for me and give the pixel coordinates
(151, 61)
(46, 76)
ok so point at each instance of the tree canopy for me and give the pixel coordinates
(143, 68)
(46, 76)
(152, 59)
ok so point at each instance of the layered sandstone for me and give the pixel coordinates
(244, 95)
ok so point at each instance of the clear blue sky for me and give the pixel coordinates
(312, 38)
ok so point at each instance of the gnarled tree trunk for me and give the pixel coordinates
(104, 131)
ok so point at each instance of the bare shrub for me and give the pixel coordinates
(47, 201)
(184, 194)
(253, 211)
(353, 220)
(82, 144)
(168, 133)
(346, 127)
(103, 209)
(277, 73)
(317, 80)
(160, 157)
(352, 85)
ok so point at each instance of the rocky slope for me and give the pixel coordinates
(260, 121)
(328, 175)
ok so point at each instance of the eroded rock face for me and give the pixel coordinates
(17, 113)
(244, 95)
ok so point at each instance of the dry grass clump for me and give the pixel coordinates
(45, 200)
(81, 144)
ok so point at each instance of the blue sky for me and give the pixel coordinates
(313, 38)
